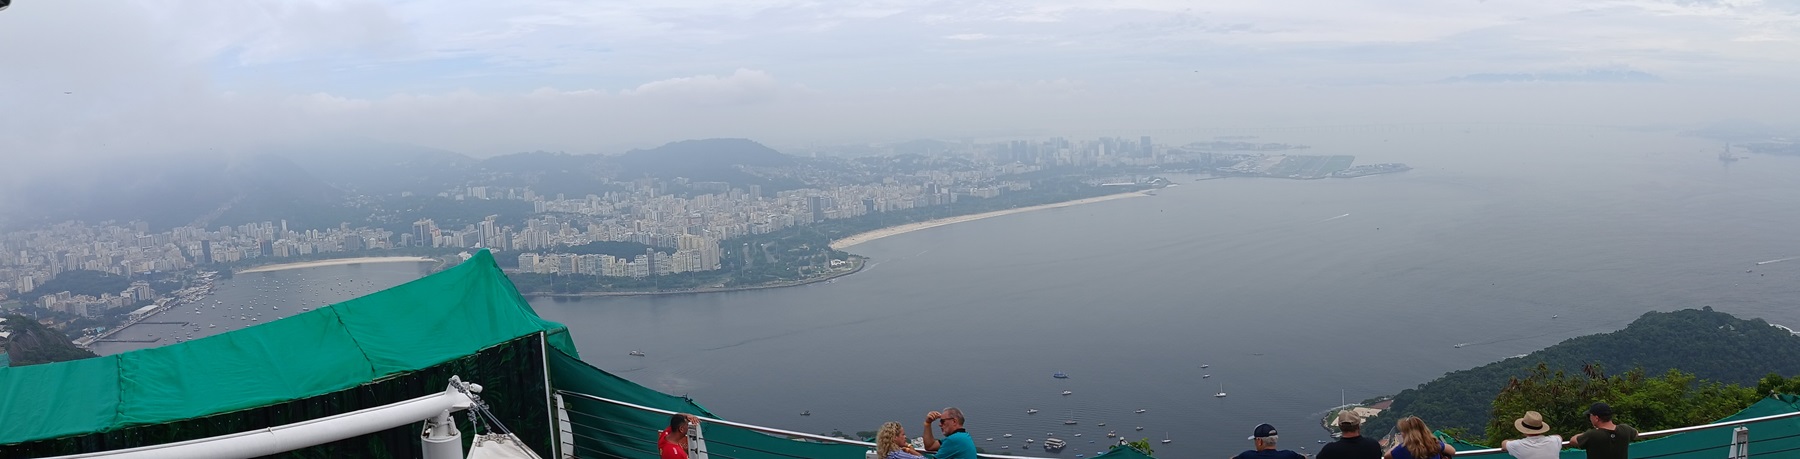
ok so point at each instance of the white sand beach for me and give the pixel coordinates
(859, 238)
(340, 261)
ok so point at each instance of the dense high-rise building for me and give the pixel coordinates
(425, 233)
(1145, 150)
(816, 204)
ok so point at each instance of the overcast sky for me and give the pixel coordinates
(92, 79)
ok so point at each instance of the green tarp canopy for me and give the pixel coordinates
(1773, 438)
(435, 319)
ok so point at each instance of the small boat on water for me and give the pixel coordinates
(1101, 424)
(1205, 376)
(1111, 434)
(1221, 393)
(636, 353)
(1140, 411)
(1140, 427)
(1060, 375)
(1166, 439)
(806, 413)
(1054, 444)
(1205, 366)
(1067, 392)
(1069, 422)
(1031, 411)
(1006, 436)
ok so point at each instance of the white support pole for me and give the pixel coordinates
(565, 429)
(1740, 443)
(696, 442)
(441, 440)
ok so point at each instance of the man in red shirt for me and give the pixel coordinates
(673, 442)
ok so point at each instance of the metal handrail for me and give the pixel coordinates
(757, 428)
(1659, 433)
(789, 433)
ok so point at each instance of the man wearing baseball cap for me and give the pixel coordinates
(1606, 440)
(1535, 445)
(1264, 438)
(1350, 444)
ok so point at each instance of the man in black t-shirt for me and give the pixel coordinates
(1350, 444)
(1606, 440)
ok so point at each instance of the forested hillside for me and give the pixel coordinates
(1709, 345)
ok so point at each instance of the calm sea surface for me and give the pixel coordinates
(1292, 292)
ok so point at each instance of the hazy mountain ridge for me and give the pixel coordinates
(1712, 345)
(168, 193)
(322, 185)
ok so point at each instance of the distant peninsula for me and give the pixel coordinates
(1298, 167)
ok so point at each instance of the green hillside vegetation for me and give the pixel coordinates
(79, 282)
(1705, 344)
(31, 343)
(1674, 399)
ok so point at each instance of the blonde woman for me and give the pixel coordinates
(890, 443)
(1417, 442)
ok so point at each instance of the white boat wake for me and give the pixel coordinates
(1777, 260)
(1334, 218)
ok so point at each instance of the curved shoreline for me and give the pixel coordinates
(332, 262)
(859, 261)
(852, 240)
(897, 230)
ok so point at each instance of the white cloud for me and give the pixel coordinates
(741, 87)
(496, 77)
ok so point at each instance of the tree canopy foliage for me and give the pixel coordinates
(30, 343)
(1706, 344)
(79, 282)
(1674, 399)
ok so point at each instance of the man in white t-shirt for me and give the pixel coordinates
(1535, 445)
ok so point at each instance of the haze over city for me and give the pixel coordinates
(87, 79)
(820, 216)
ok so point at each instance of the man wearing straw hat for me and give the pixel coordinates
(1535, 445)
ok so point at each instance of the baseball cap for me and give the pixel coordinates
(1262, 431)
(1349, 417)
(1600, 409)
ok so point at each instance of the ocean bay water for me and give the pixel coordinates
(1287, 298)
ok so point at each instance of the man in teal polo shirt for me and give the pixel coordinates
(957, 444)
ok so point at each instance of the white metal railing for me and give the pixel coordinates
(283, 438)
(757, 428)
(1738, 443)
(1735, 443)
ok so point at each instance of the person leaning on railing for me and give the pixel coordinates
(1351, 444)
(1535, 445)
(890, 443)
(1263, 439)
(673, 442)
(957, 444)
(1606, 440)
(1417, 442)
